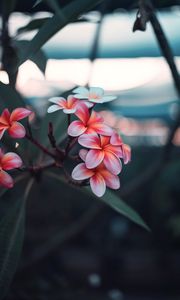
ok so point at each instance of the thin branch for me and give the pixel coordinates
(40, 146)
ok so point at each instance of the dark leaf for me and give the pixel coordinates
(39, 58)
(9, 97)
(11, 240)
(112, 200)
(33, 25)
(71, 12)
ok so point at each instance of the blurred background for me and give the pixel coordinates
(75, 247)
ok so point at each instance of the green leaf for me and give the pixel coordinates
(39, 58)
(37, 2)
(11, 240)
(8, 7)
(33, 25)
(71, 11)
(121, 207)
(110, 199)
(9, 97)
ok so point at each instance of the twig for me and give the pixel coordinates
(40, 146)
(59, 152)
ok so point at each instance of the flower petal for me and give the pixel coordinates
(82, 112)
(108, 98)
(5, 116)
(83, 154)
(102, 128)
(112, 181)
(76, 128)
(69, 111)
(116, 139)
(17, 130)
(104, 140)
(87, 103)
(58, 100)
(98, 185)
(95, 118)
(53, 108)
(112, 163)
(126, 153)
(2, 131)
(72, 101)
(96, 91)
(11, 161)
(19, 113)
(6, 180)
(80, 172)
(91, 141)
(94, 158)
(117, 150)
(81, 91)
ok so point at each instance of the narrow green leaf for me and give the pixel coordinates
(8, 7)
(9, 97)
(121, 207)
(39, 58)
(37, 2)
(110, 199)
(33, 25)
(71, 11)
(11, 241)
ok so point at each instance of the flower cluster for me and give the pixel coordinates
(10, 160)
(104, 149)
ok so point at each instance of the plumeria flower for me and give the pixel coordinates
(94, 94)
(8, 161)
(68, 106)
(88, 123)
(103, 149)
(9, 122)
(99, 177)
(126, 153)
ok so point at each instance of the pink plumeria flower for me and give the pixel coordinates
(88, 123)
(126, 153)
(94, 94)
(9, 122)
(99, 177)
(8, 161)
(103, 149)
(68, 106)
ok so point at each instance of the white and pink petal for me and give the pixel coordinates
(76, 128)
(17, 130)
(11, 161)
(81, 172)
(94, 158)
(91, 141)
(6, 180)
(19, 113)
(98, 185)
(112, 163)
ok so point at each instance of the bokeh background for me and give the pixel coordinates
(76, 247)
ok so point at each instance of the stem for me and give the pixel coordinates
(69, 119)
(162, 40)
(52, 140)
(41, 147)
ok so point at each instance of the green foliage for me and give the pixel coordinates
(32, 25)
(70, 12)
(112, 200)
(11, 238)
(121, 207)
(9, 97)
(39, 58)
